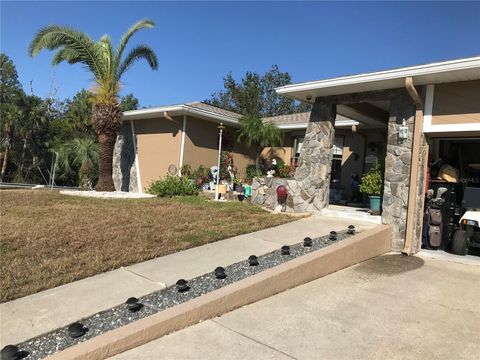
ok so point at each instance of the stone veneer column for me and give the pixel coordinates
(124, 170)
(397, 172)
(312, 175)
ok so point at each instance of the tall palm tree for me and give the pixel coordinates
(107, 66)
(254, 132)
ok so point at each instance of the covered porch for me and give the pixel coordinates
(396, 100)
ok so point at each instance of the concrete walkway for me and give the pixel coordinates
(390, 307)
(36, 314)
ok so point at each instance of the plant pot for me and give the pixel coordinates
(375, 202)
(239, 188)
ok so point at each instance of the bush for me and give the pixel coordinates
(172, 186)
(372, 181)
(201, 175)
(251, 171)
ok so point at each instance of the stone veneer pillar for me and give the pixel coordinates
(124, 170)
(313, 172)
(310, 188)
(397, 174)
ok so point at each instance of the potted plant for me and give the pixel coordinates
(238, 186)
(372, 183)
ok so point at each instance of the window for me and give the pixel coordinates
(297, 148)
(336, 174)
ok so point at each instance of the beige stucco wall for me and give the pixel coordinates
(284, 152)
(201, 147)
(158, 146)
(456, 103)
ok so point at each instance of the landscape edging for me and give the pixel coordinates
(351, 251)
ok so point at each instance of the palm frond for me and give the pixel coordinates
(142, 24)
(66, 54)
(81, 46)
(137, 53)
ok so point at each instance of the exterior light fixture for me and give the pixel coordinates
(285, 250)
(10, 352)
(307, 242)
(220, 273)
(403, 131)
(351, 230)
(133, 305)
(76, 330)
(253, 260)
(333, 235)
(182, 286)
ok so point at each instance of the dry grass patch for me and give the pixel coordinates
(48, 239)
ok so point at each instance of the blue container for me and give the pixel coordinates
(375, 202)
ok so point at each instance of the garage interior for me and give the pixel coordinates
(452, 205)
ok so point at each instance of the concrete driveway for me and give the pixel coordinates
(390, 307)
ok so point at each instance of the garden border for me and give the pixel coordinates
(358, 248)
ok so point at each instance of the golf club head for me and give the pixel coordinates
(440, 191)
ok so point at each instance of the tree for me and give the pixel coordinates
(255, 95)
(11, 94)
(129, 102)
(254, 132)
(107, 65)
(82, 153)
(78, 114)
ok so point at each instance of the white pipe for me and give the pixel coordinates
(182, 145)
(137, 165)
(218, 164)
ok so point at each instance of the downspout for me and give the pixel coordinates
(413, 188)
(137, 164)
(182, 145)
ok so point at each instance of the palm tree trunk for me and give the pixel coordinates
(5, 161)
(107, 119)
(105, 162)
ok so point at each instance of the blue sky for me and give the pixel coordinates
(199, 42)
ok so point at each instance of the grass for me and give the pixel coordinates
(48, 239)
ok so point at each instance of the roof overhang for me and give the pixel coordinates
(338, 123)
(185, 109)
(441, 72)
(178, 110)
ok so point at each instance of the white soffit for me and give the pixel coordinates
(447, 71)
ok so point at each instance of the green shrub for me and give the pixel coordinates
(372, 181)
(172, 186)
(251, 171)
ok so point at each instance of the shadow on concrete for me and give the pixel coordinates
(389, 265)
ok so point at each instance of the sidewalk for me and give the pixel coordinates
(389, 307)
(36, 314)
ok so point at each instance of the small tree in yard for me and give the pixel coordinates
(107, 65)
(81, 152)
(254, 132)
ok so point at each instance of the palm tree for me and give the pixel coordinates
(82, 152)
(107, 66)
(254, 132)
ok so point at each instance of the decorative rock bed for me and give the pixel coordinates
(135, 309)
(107, 194)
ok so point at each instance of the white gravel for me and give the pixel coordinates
(107, 194)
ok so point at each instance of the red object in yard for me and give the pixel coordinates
(282, 194)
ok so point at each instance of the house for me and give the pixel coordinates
(401, 117)
(156, 141)
(427, 112)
